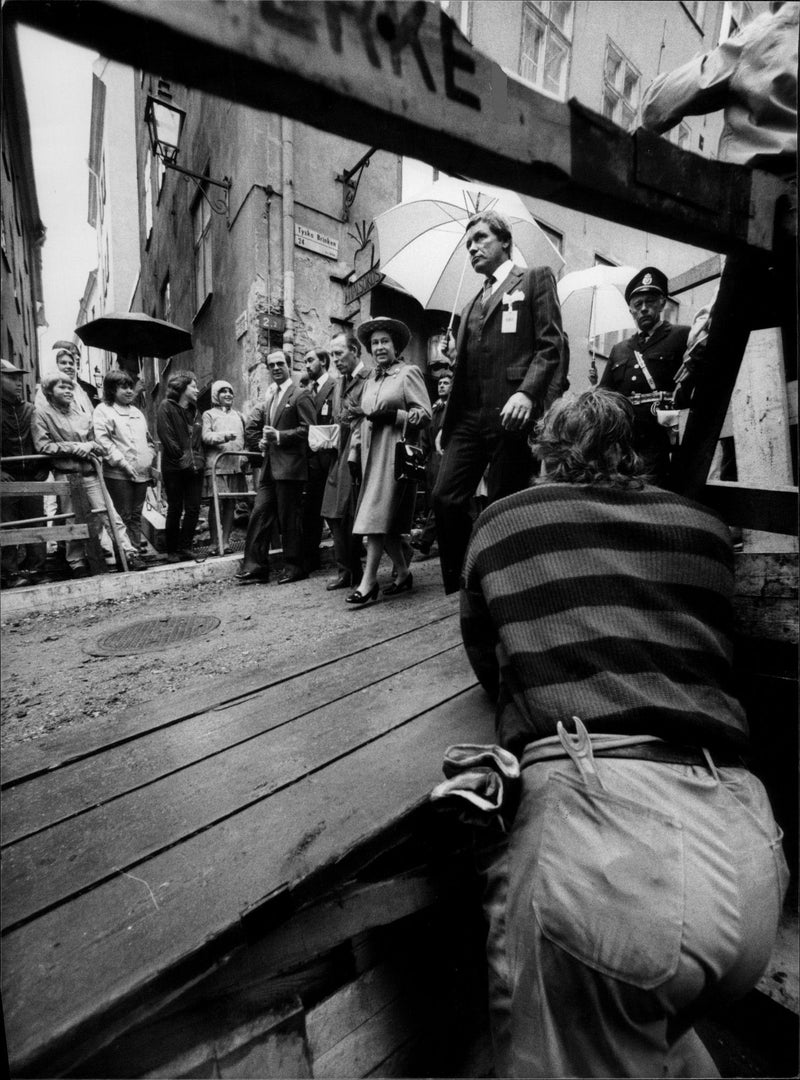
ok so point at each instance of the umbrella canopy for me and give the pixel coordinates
(594, 297)
(422, 241)
(134, 333)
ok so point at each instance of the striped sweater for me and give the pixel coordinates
(606, 603)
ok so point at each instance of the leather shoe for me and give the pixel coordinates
(343, 581)
(288, 576)
(406, 585)
(252, 577)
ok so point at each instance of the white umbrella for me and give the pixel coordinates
(422, 241)
(601, 286)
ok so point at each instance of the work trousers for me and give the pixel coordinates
(183, 488)
(128, 498)
(276, 501)
(621, 915)
(476, 442)
(22, 508)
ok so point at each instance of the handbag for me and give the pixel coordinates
(409, 460)
(323, 437)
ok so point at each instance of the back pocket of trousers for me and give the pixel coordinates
(608, 886)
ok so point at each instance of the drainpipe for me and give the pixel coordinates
(287, 182)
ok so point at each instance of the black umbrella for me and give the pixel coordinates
(134, 333)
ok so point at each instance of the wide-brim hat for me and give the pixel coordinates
(398, 331)
(10, 369)
(650, 279)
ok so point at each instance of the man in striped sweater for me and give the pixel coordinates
(643, 878)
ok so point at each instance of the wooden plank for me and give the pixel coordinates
(94, 958)
(33, 487)
(43, 534)
(370, 1044)
(708, 270)
(781, 980)
(340, 1014)
(21, 763)
(771, 509)
(402, 77)
(114, 838)
(90, 782)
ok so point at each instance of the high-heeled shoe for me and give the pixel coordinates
(360, 599)
(406, 585)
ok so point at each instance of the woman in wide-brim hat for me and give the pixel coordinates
(395, 398)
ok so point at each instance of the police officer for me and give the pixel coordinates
(649, 362)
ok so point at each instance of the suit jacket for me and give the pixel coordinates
(532, 359)
(287, 459)
(323, 403)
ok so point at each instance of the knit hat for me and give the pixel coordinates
(215, 389)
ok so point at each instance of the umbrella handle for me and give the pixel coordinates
(458, 293)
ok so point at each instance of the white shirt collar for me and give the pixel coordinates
(501, 273)
(321, 380)
(279, 391)
(358, 368)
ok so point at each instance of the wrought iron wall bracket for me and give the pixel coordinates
(220, 205)
(351, 178)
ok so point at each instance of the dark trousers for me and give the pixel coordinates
(318, 465)
(346, 547)
(276, 501)
(22, 508)
(471, 447)
(128, 498)
(183, 489)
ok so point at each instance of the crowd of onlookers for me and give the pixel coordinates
(105, 439)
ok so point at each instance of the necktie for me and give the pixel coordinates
(487, 290)
(272, 407)
(315, 386)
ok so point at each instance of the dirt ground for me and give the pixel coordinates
(51, 681)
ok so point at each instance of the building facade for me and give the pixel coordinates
(21, 230)
(286, 264)
(112, 205)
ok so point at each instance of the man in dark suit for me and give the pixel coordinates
(510, 360)
(320, 386)
(340, 493)
(649, 362)
(279, 429)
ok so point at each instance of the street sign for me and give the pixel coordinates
(362, 285)
(316, 241)
(272, 322)
(241, 325)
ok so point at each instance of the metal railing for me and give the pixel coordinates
(216, 494)
(40, 486)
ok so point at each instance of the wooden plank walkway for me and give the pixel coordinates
(138, 853)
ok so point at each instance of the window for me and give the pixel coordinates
(201, 234)
(460, 12)
(166, 302)
(148, 197)
(553, 235)
(695, 9)
(545, 53)
(735, 15)
(620, 88)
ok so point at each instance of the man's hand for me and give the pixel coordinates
(270, 434)
(516, 412)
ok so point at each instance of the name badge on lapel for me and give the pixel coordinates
(509, 321)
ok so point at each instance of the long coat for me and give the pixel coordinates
(336, 501)
(384, 505)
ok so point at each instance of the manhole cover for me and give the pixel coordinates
(151, 635)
